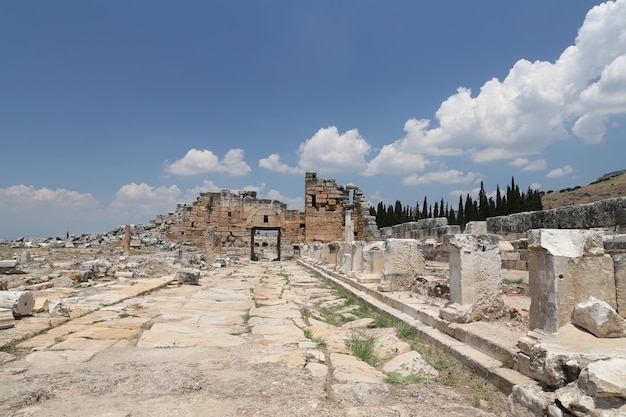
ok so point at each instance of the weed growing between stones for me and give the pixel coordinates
(362, 347)
(395, 378)
(319, 341)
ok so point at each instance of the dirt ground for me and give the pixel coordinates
(251, 369)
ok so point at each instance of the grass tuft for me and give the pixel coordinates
(362, 347)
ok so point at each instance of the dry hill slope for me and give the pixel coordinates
(605, 187)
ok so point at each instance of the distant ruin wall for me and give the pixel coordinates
(326, 206)
(601, 214)
(422, 229)
(226, 222)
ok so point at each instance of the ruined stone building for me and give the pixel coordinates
(226, 224)
(236, 224)
(336, 213)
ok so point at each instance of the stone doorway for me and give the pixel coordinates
(265, 243)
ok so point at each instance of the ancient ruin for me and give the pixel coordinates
(534, 302)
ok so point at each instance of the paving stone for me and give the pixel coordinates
(347, 368)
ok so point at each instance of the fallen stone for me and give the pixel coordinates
(77, 275)
(604, 378)
(59, 308)
(365, 323)
(6, 318)
(188, 276)
(599, 318)
(8, 263)
(410, 363)
(20, 302)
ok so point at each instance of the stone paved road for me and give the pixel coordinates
(233, 346)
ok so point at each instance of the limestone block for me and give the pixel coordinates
(189, 276)
(604, 379)
(357, 256)
(476, 228)
(565, 268)
(410, 363)
(403, 257)
(373, 258)
(8, 263)
(475, 279)
(598, 318)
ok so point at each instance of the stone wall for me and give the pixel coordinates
(422, 229)
(327, 205)
(609, 214)
(224, 223)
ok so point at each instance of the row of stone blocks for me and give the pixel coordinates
(566, 267)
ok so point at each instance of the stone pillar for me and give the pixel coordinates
(565, 268)
(475, 281)
(127, 239)
(373, 258)
(357, 256)
(619, 264)
(349, 228)
(213, 244)
(403, 262)
(344, 257)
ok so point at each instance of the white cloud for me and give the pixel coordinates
(451, 176)
(273, 163)
(142, 199)
(559, 172)
(207, 187)
(202, 161)
(519, 162)
(536, 165)
(534, 105)
(26, 197)
(329, 151)
(375, 197)
(535, 186)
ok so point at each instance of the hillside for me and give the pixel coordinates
(608, 186)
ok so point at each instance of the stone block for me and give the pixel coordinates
(475, 266)
(598, 318)
(565, 268)
(403, 257)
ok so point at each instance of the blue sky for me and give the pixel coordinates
(112, 112)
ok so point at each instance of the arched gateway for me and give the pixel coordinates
(228, 224)
(240, 225)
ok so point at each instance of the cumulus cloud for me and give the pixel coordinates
(207, 187)
(26, 197)
(273, 163)
(559, 172)
(534, 105)
(203, 161)
(451, 176)
(327, 151)
(137, 199)
(536, 165)
(519, 162)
